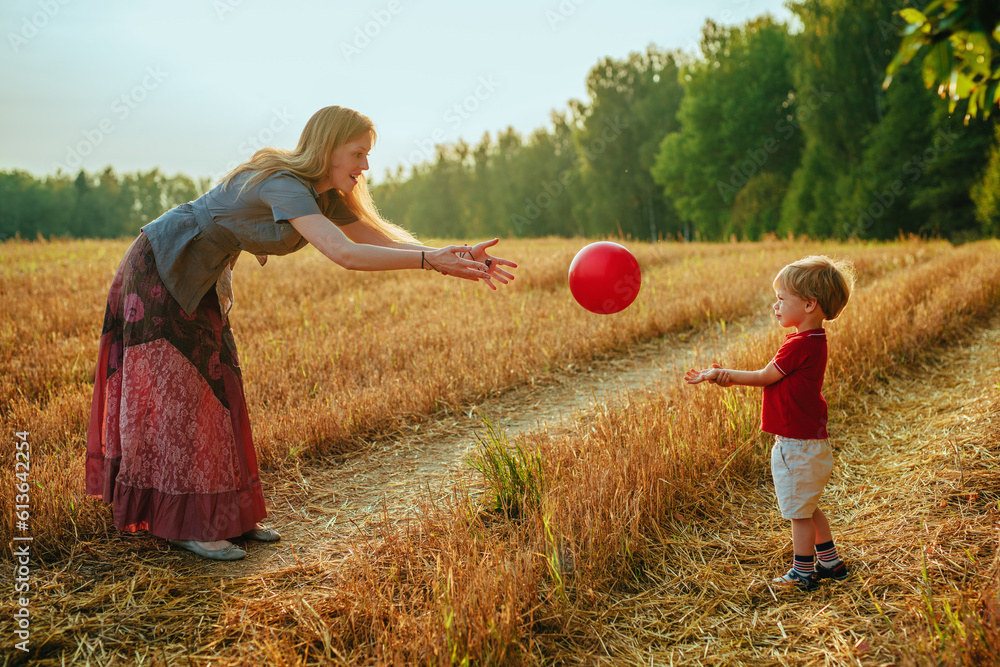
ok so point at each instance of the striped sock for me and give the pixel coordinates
(804, 565)
(827, 554)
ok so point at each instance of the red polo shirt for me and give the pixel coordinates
(794, 406)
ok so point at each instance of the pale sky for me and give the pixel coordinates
(194, 86)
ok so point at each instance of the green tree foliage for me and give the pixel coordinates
(633, 105)
(986, 193)
(958, 45)
(102, 205)
(892, 165)
(916, 169)
(587, 173)
(841, 55)
(30, 207)
(727, 165)
(876, 162)
(547, 177)
(757, 205)
(954, 158)
(507, 186)
(508, 212)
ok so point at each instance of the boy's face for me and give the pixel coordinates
(792, 310)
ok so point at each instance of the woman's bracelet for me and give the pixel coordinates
(426, 265)
(423, 261)
(468, 254)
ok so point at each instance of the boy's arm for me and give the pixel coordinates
(725, 377)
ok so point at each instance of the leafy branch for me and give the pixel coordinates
(958, 42)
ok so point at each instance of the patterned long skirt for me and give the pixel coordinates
(169, 442)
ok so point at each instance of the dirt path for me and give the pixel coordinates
(319, 514)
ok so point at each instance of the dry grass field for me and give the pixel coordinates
(643, 532)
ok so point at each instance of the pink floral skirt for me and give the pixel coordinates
(169, 442)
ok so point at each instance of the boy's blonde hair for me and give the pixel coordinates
(819, 277)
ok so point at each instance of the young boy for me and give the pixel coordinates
(808, 291)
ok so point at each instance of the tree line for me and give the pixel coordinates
(767, 130)
(101, 205)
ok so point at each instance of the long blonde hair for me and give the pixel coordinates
(328, 129)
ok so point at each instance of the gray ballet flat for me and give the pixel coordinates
(262, 535)
(232, 552)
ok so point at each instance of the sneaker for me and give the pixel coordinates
(801, 581)
(838, 571)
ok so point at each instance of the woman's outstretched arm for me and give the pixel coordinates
(336, 246)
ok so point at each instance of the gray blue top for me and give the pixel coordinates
(193, 242)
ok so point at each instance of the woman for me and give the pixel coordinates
(169, 443)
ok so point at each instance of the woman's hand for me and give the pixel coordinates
(493, 264)
(224, 289)
(456, 260)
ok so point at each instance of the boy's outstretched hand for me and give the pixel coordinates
(716, 375)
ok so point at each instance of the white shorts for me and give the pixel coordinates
(800, 468)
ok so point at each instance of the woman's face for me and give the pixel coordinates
(348, 162)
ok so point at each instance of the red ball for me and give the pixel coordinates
(604, 277)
